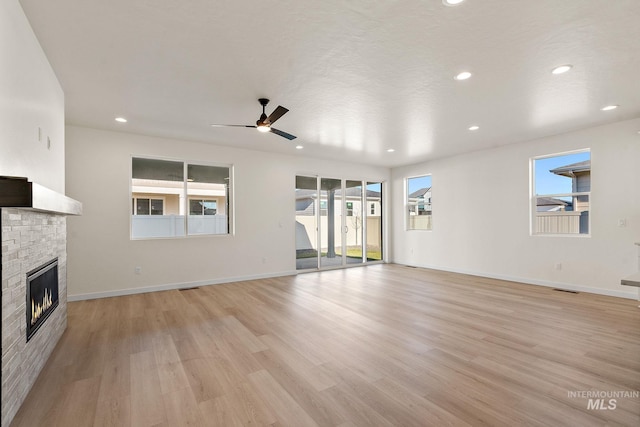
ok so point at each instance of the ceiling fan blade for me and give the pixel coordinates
(283, 134)
(277, 113)
(232, 126)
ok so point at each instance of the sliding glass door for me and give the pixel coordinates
(353, 227)
(306, 222)
(373, 226)
(330, 222)
(338, 223)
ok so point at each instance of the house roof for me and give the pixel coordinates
(419, 193)
(551, 201)
(573, 168)
(359, 77)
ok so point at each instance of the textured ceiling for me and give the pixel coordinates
(358, 76)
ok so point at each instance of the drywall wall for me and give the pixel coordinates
(101, 256)
(481, 214)
(32, 111)
(31, 105)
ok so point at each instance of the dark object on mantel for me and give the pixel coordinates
(18, 192)
(15, 192)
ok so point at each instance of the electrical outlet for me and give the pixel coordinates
(558, 266)
(138, 270)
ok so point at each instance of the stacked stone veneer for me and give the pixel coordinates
(29, 239)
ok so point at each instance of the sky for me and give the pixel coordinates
(374, 186)
(548, 183)
(419, 182)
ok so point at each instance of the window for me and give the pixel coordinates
(202, 207)
(373, 209)
(418, 203)
(176, 199)
(349, 208)
(144, 206)
(561, 192)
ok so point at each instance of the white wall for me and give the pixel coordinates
(481, 214)
(30, 98)
(101, 256)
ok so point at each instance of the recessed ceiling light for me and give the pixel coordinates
(474, 127)
(463, 75)
(451, 2)
(562, 69)
(121, 120)
(299, 147)
(390, 150)
(609, 107)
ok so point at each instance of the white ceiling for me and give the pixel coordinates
(358, 76)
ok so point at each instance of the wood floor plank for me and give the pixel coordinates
(315, 404)
(384, 345)
(79, 406)
(182, 409)
(283, 405)
(219, 412)
(147, 407)
(115, 412)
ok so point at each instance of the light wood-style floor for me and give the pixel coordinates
(384, 345)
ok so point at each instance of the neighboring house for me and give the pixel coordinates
(567, 214)
(161, 197)
(420, 202)
(580, 174)
(158, 208)
(306, 202)
(551, 204)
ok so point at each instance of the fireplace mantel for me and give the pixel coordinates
(17, 192)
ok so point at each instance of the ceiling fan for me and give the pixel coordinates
(263, 124)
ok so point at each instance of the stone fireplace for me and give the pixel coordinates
(33, 256)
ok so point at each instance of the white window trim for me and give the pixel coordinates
(154, 197)
(407, 204)
(231, 195)
(533, 196)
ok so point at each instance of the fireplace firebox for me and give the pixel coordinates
(42, 295)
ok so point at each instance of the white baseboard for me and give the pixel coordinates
(172, 286)
(567, 286)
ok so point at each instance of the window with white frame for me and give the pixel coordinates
(147, 206)
(418, 203)
(561, 194)
(203, 207)
(176, 199)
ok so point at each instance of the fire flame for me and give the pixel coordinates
(38, 310)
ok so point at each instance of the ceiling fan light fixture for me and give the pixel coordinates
(263, 128)
(451, 2)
